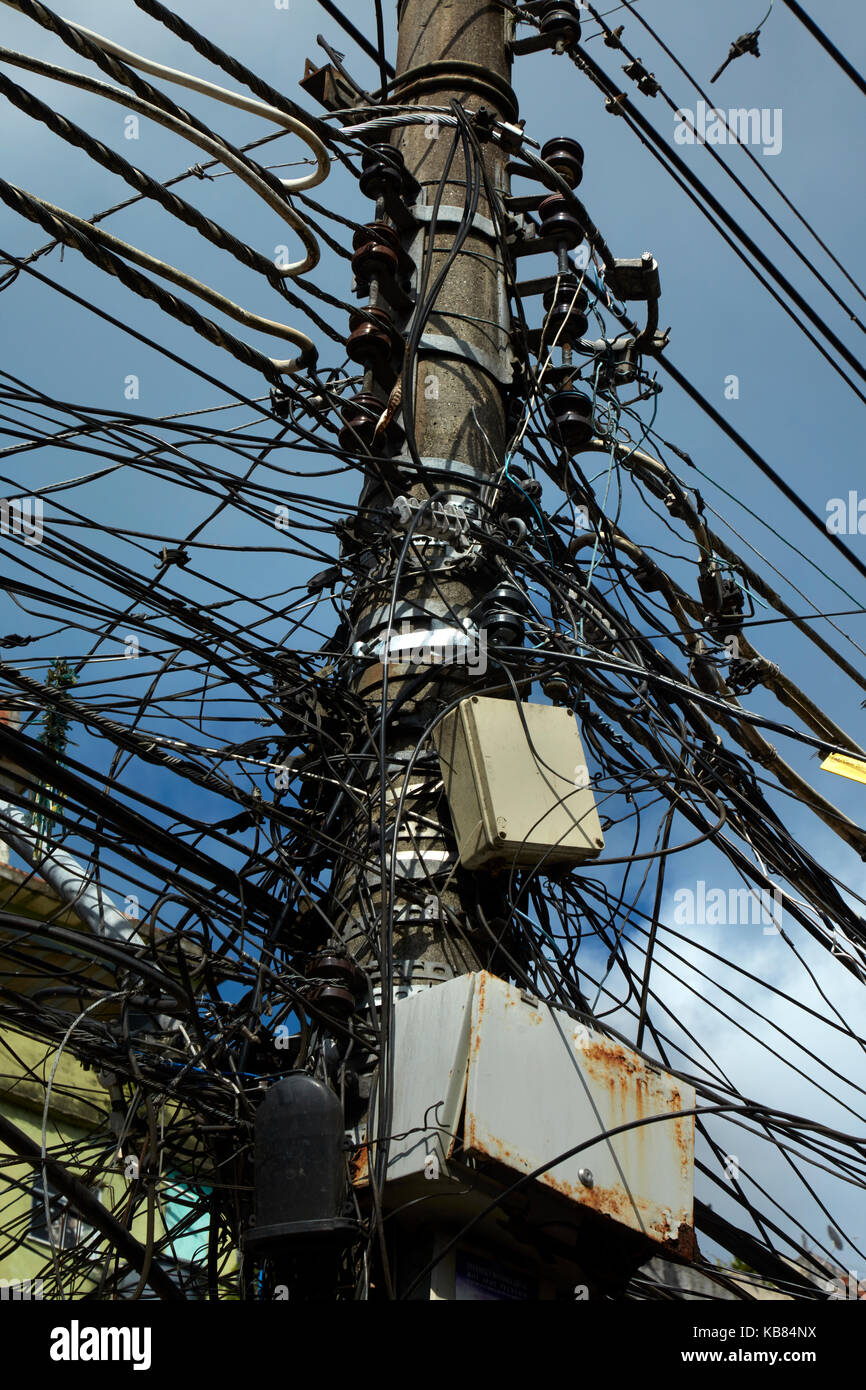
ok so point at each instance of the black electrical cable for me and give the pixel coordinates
(664, 149)
(758, 164)
(756, 202)
(828, 46)
(372, 50)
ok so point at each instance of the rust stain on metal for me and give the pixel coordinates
(617, 1205)
(687, 1242)
(607, 1201)
(469, 1137)
(605, 1054)
(626, 1089)
(359, 1166)
(481, 992)
(613, 1202)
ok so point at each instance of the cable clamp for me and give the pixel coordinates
(500, 368)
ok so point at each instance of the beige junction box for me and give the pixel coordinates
(517, 784)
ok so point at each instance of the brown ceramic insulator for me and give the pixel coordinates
(329, 968)
(565, 156)
(383, 172)
(371, 337)
(360, 417)
(564, 305)
(333, 999)
(560, 222)
(376, 251)
(560, 20)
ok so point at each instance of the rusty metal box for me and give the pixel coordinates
(540, 1084)
(517, 784)
(486, 1075)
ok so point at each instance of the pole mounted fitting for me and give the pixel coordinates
(560, 222)
(746, 43)
(376, 251)
(646, 82)
(378, 257)
(565, 307)
(384, 175)
(335, 983)
(636, 279)
(560, 22)
(501, 616)
(565, 157)
(570, 415)
(447, 521)
(373, 340)
(722, 598)
(360, 433)
(639, 280)
(619, 365)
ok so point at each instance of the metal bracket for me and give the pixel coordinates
(426, 612)
(451, 214)
(501, 369)
(447, 468)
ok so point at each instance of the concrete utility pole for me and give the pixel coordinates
(433, 918)
(448, 49)
(476, 1081)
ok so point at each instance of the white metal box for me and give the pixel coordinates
(517, 785)
(483, 1073)
(540, 1084)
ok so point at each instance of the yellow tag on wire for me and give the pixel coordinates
(845, 766)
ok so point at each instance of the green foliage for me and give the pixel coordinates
(55, 725)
